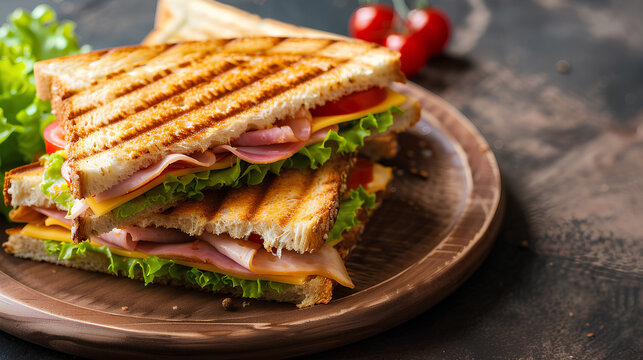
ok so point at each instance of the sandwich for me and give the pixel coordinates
(172, 174)
(147, 127)
(181, 247)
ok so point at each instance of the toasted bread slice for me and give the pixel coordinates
(124, 109)
(181, 20)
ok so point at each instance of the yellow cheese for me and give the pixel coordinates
(47, 232)
(58, 233)
(392, 99)
(103, 207)
(51, 221)
(382, 175)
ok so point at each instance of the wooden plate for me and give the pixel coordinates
(432, 231)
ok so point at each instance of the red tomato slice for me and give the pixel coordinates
(54, 139)
(352, 103)
(362, 174)
(255, 238)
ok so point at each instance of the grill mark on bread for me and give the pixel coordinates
(268, 94)
(82, 133)
(136, 83)
(155, 100)
(256, 203)
(212, 202)
(302, 192)
(158, 50)
(204, 98)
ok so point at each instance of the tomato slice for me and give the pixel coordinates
(54, 139)
(362, 174)
(255, 238)
(352, 103)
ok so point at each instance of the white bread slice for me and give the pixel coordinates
(22, 187)
(124, 109)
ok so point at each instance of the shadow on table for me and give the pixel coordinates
(435, 332)
(442, 72)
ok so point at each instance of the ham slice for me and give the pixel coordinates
(296, 129)
(56, 214)
(142, 177)
(117, 238)
(78, 209)
(253, 256)
(264, 154)
(241, 251)
(197, 251)
(326, 261)
(65, 171)
(320, 134)
(129, 238)
(157, 235)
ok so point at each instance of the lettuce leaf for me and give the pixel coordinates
(38, 36)
(53, 184)
(154, 267)
(346, 140)
(25, 39)
(347, 214)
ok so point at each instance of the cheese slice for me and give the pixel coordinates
(392, 99)
(382, 175)
(103, 207)
(59, 233)
(39, 231)
(49, 221)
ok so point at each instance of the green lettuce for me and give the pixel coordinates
(153, 267)
(346, 140)
(25, 39)
(53, 184)
(347, 214)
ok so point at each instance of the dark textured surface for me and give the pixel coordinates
(567, 262)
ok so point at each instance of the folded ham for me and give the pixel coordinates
(237, 257)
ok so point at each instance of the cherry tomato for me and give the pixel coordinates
(371, 22)
(352, 103)
(362, 174)
(413, 49)
(54, 139)
(432, 24)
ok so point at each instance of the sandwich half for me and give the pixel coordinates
(203, 244)
(148, 127)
